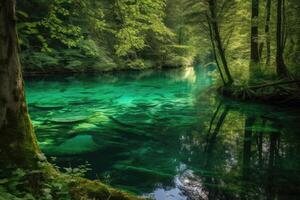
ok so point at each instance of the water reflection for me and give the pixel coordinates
(245, 154)
(165, 135)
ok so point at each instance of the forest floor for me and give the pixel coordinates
(49, 183)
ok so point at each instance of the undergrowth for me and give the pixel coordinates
(49, 182)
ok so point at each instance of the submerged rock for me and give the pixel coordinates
(142, 170)
(37, 123)
(99, 118)
(71, 119)
(45, 143)
(48, 106)
(84, 127)
(77, 145)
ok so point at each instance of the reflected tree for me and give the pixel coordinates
(245, 152)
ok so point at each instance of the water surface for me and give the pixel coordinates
(164, 134)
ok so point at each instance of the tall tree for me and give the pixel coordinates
(213, 21)
(17, 139)
(282, 70)
(215, 51)
(267, 32)
(254, 59)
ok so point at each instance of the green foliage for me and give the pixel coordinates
(59, 29)
(39, 184)
(31, 185)
(233, 18)
(79, 171)
(56, 36)
(137, 19)
(78, 36)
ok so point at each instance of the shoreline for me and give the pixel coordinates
(96, 72)
(248, 95)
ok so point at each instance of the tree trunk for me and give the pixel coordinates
(18, 144)
(218, 40)
(281, 67)
(214, 50)
(267, 32)
(254, 64)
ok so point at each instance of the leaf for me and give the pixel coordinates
(22, 13)
(3, 181)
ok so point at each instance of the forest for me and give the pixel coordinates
(149, 99)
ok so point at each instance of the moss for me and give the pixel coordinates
(18, 142)
(86, 189)
(47, 181)
(83, 189)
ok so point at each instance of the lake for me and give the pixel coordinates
(167, 135)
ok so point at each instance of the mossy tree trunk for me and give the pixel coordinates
(18, 144)
(282, 70)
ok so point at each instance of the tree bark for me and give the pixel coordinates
(218, 40)
(214, 50)
(282, 70)
(267, 32)
(18, 144)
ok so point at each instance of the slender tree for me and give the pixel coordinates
(254, 63)
(282, 70)
(18, 144)
(215, 51)
(213, 18)
(267, 31)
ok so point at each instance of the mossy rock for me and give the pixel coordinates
(66, 186)
(86, 189)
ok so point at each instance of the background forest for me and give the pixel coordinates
(72, 35)
(89, 35)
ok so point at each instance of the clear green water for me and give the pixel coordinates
(164, 134)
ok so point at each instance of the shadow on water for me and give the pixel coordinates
(160, 134)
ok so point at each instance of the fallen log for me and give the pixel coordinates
(255, 87)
